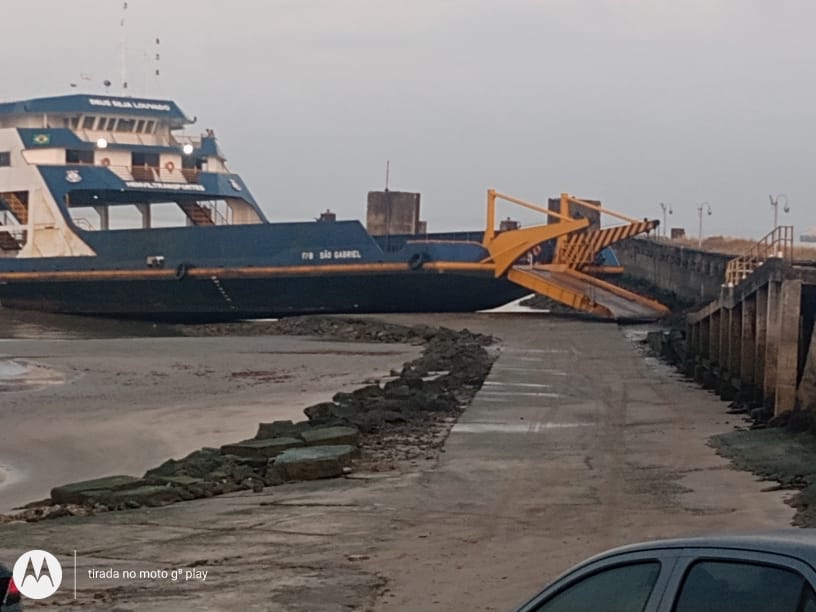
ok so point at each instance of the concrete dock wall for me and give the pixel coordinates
(693, 275)
(754, 342)
(751, 342)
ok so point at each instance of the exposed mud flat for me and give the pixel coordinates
(787, 460)
(517, 494)
(19, 375)
(129, 403)
(396, 423)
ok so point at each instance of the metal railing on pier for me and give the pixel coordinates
(778, 243)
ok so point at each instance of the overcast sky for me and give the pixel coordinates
(633, 102)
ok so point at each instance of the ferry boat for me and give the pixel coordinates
(71, 164)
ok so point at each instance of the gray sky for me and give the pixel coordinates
(632, 102)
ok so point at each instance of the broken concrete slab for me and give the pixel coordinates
(277, 429)
(269, 447)
(145, 495)
(86, 490)
(323, 436)
(313, 462)
(197, 464)
(177, 481)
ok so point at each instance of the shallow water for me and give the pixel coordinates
(10, 369)
(16, 324)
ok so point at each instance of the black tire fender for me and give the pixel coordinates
(417, 260)
(181, 270)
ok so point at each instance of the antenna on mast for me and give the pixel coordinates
(123, 49)
(387, 172)
(83, 76)
(157, 58)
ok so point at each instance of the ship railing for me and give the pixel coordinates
(6, 218)
(218, 217)
(183, 139)
(83, 223)
(155, 174)
(17, 232)
(122, 138)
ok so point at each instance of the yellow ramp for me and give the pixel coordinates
(587, 293)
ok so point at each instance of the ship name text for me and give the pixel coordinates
(131, 104)
(330, 254)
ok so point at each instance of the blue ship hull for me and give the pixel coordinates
(255, 271)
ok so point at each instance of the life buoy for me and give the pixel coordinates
(105, 162)
(170, 166)
(417, 260)
(536, 250)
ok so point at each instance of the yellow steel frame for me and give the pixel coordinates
(507, 247)
(559, 293)
(579, 250)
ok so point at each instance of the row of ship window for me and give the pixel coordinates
(111, 124)
(73, 156)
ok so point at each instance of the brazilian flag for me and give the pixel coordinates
(41, 139)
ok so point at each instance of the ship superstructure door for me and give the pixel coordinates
(144, 166)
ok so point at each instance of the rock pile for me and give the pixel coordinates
(404, 418)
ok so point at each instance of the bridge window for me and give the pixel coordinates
(88, 122)
(140, 126)
(5, 158)
(125, 125)
(73, 156)
(111, 123)
(149, 127)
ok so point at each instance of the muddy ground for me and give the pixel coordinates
(126, 405)
(575, 443)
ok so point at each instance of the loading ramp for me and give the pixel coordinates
(577, 247)
(588, 294)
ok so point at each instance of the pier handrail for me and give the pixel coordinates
(778, 243)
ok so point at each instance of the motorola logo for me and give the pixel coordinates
(37, 574)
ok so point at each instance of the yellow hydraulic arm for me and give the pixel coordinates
(507, 247)
(560, 281)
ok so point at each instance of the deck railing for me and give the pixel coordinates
(155, 174)
(778, 243)
(218, 217)
(83, 223)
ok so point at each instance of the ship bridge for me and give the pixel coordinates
(81, 159)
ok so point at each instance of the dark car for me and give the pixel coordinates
(9, 595)
(767, 572)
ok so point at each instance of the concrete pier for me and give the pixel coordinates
(751, 337)
(755, 339)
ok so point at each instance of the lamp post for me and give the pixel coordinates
(775, 206)
(667, 209)
(703, 206)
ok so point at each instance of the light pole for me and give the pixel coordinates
(667, 209)
(703, 206)
(775, 206)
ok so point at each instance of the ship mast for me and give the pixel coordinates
(123, 49)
